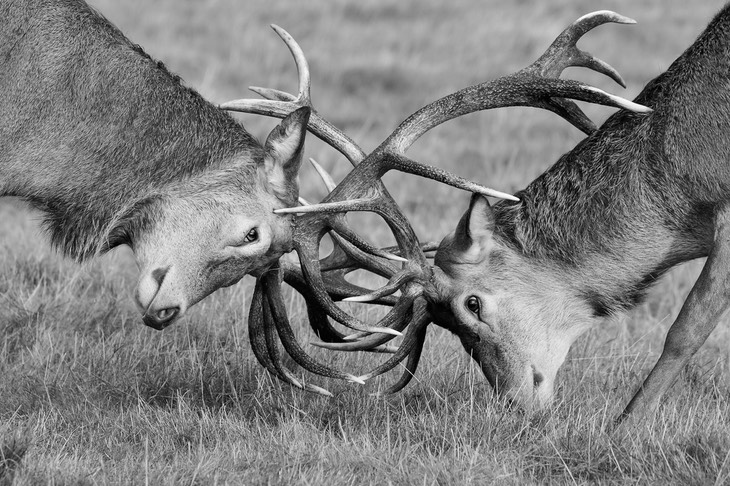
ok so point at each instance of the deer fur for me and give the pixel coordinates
(114, 149)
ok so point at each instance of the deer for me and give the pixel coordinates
(520, 280)
(114, 150)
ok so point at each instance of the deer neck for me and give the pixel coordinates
(600, 219)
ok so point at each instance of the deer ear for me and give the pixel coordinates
(283, 156)
(476, 225)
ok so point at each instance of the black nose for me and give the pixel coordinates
(537, 378)
(161, 319)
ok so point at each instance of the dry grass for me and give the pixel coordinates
(89, 395)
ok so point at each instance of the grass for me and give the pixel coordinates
(88, 395)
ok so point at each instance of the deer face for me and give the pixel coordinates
(210, 231)
(516, 318)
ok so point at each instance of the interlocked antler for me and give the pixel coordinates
(322, 281)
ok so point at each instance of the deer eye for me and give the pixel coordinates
(473, 304)
(252, 236)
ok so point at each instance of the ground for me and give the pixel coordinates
(89, 395)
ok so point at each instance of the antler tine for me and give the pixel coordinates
(279, 104)
(272, 94)
(570, 111)
(564, 53)
(271, 342)
(335, 283)
(413, 340)
(341, 231)
(300, 60)
(256, 335)
(263, 342)
(393, 286)
(368, 343)
(272, 288)
(318, 320)
(414, 357)
(399, 318)
(327, 179)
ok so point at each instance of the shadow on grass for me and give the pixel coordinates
(12, 451)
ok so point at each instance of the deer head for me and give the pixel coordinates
(513, 315)
(235, 230)
(114, 149)
(458, 292)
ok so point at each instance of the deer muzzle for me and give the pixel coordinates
(157, 299)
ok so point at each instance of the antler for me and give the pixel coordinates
(322, 281)
(279, 104)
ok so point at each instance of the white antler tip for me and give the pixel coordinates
(321, 391)
(289, 210)
(630, 105)
(360, 298)
(395, 258)
(355, 379)
(385, 348)
(498, 194)
(622, 102)
(613, 16)
(329, 182)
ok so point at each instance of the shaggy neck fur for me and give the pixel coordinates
(93, 130)
(637, 196)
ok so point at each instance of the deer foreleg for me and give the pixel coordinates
(700, 313)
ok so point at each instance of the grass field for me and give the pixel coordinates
(90, 395)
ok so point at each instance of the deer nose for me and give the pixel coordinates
(161, 319)
(156, 313)
(537, 377)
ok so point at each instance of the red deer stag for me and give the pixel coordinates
(114, 149)
(515, 290)
(519, 281)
